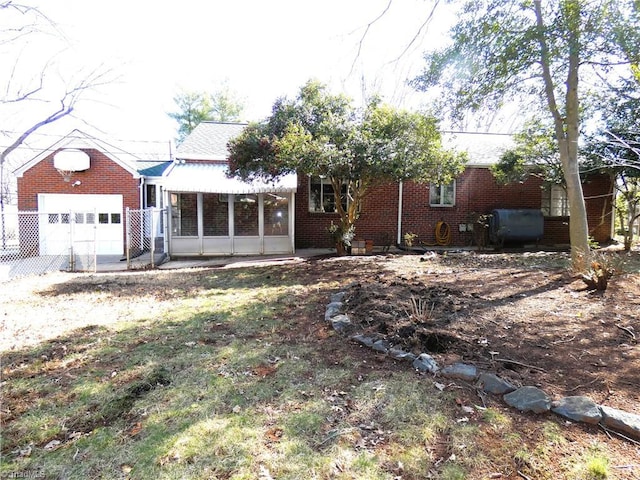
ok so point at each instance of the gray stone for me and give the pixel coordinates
(401, 354)
(528, 399)
(491, 383)
(580, 409)
(425, 363)
(381, 346)
(337, 297)
(623, 422)
(363, 340)
(341, 323)
(333, 309)
(461, 371)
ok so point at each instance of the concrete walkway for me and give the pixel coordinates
(143, 262)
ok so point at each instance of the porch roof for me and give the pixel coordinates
(212, 178)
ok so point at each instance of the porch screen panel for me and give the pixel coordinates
(276, 215)
(184, 214)
(245, 215)
(215, 215)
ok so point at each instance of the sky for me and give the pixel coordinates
(260, 49)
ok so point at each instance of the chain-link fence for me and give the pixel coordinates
(32, 243)
(145, 236)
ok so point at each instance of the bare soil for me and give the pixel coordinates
(523, 316)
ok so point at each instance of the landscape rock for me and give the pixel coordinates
(425, 363)
(528, 399)
(333, 309)
(401, 354)
(491, 383)
(620, 421)
(341, 323)
(337, 297)
(580, 409)
(363, 340)
(461, 371)
(381, 346)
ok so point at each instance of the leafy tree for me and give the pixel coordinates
(503, 50)
(322, 134)
(535, 153)
(197, 107)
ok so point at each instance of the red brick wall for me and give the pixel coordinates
(103, 177)
(476, 193)
(378, 218)
(598, 198)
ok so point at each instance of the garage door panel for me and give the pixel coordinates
(89, 221)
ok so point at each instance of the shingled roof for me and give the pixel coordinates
(208, 141)
(484, 149)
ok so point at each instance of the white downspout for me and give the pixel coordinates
(292, 223)
(399, 240)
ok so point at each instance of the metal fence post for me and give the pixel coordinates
(153, 237)
(72, 257)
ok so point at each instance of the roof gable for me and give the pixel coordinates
(81, 141)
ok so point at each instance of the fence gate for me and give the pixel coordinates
(33, 243)
(145, 236)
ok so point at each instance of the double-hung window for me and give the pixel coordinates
(443, 195)
(554, 201)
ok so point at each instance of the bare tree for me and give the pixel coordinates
(42, 93)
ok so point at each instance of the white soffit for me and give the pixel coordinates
(212, 178)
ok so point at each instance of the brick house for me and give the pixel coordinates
(209, 213)
(393, 210)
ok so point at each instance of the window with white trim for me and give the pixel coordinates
(321, 197)
(442, 195)
(555, 202)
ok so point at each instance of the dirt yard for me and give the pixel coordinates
(521, 315)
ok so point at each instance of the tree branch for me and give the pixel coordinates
(353, 65)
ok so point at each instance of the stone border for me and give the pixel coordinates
(525, 399)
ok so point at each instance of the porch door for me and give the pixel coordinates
(246, 223)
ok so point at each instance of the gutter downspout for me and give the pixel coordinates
(399, 239)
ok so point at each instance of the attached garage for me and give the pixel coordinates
(74, 196)
(88, 223)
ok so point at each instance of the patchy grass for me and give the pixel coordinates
(233, 373)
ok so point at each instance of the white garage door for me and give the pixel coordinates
(82, 221)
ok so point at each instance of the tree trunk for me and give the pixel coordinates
(578, 226)
(567, 129)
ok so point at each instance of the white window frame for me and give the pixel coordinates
(441, 188)
(321, 201)
(555, 202)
